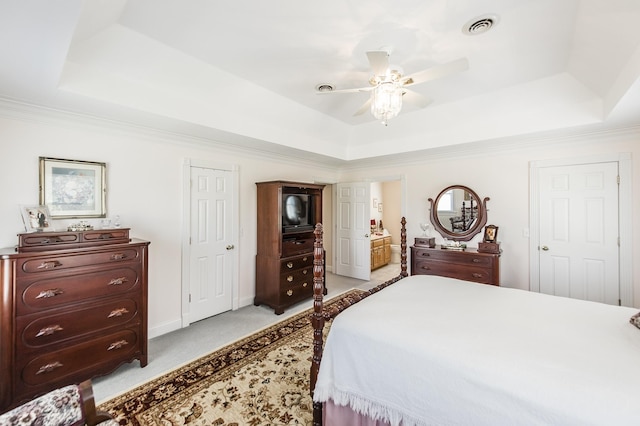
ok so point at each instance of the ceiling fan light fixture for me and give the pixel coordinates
(386, 101)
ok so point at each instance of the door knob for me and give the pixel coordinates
(366, 235)
(230, 247)
(545, 248)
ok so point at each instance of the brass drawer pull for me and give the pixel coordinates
(117, 345)
(118, 312)
(304, 284)
(45, 294)
(48, 331)
(118, 281)
(118, 256)
(426, 268)
(476, 275)
(48, 368)
(289, 265)
(289, 292)
(55, 240)
(290, 278)
(105, 236)
(305, 272)
(304, 259)
(425, 254)
(474, 260)
(49, 265)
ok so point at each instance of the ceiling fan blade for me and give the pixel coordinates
(379, 61)
(354, 90)
(414, 98)
(436, 72)
(364, 108)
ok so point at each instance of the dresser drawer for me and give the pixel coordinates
(299, 262)
(296, 292)
(49, 264)
(462, 257)
(47, 293)
(75, 359)
(452, 270)
(36, 331)
(294, 277)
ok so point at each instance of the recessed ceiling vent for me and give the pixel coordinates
(324, 87)
(480, 25)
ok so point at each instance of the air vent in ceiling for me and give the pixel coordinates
(480, 25)
(324, 87)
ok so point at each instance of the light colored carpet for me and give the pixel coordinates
(262, 379)
(174, 349)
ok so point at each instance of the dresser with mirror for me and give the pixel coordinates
(458, 214)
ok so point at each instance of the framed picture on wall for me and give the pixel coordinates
(72, 188)
(35, 218)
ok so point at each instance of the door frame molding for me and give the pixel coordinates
(625, 262)
(188, 163)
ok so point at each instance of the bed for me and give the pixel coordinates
(440, 351)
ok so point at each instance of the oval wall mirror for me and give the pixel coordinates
(457, 213)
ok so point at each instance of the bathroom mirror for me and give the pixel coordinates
(458, 213)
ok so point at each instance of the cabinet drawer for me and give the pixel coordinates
(107, 235)
(465, 258)
(296, 246)
(46, 240)
(296, 292)
(296, 263)
(54, 292)
(295, 277)
(461, 272)
(73, 360)
(48, 264)
(377, 243)
(39, 331)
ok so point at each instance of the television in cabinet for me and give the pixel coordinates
(287, 215)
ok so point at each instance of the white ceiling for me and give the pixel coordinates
(245, 72)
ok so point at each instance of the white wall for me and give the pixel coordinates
(144, 185)
(501, 172)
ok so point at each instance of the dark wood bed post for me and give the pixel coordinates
(317, 319)
(321, 315)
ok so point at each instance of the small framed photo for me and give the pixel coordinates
(36, 218)
(490, 234)
(73, 189)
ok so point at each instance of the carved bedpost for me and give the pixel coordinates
(317, 319)
(403, 248)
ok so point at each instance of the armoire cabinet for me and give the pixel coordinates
(73, 305)
(287, 215)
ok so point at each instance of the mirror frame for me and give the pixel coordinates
(458, 236)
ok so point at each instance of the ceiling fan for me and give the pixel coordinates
(389, 87)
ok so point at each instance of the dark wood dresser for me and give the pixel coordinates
(73, 306)
(468, 264)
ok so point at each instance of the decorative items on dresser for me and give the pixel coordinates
(73, 305)
(287, 215)
(380, 251)
(464, 264)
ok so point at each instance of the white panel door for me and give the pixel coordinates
(353, 241)
(211, 260)
(579, 232)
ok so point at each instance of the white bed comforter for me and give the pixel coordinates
(438, 351)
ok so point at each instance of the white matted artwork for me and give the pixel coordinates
(73, 189)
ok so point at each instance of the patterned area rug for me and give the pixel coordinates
(262, 379)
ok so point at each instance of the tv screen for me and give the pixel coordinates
(297, 212)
